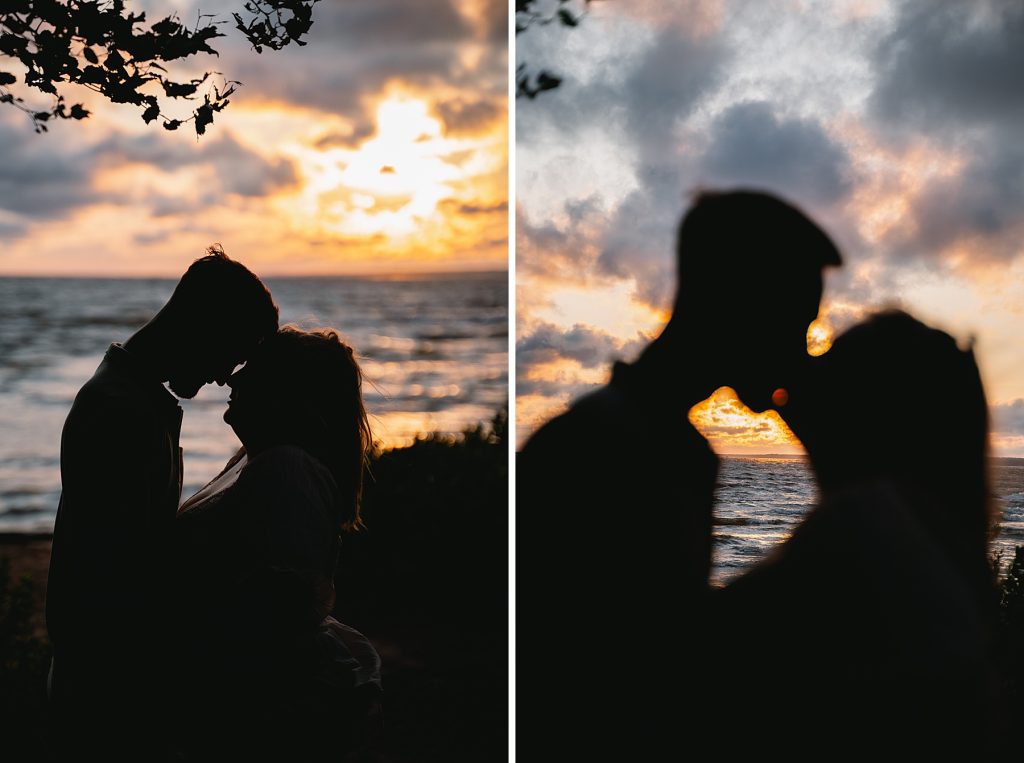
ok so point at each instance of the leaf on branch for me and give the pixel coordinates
(168, 26)
(547, 81)
(183, 89)
(204, 116)
(114, 60)
(566, 17)
(93, 75)
(103, 46)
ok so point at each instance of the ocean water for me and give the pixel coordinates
(760, 501)
(434, 351)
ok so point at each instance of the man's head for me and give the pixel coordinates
(220, 312)
(750, 280)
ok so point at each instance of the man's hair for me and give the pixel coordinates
(218, 289)
(749, 238)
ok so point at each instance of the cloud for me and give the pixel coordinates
(496, 21)
(1008, 418)
(795, 157)
(465, 115)
(564, 250)
(977, 210)
(617, 78)
(238, 169)
(483, 209)
(9, 231)
(656, 95)
(948, 63)
(952, 72)
(245, 172)
(676, 71)
(640, 99)
(557, 388)
(40, 180)
(589, 347)
(43, 179)
(358, 47)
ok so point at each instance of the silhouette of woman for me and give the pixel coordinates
(265, 671)
(871, 624)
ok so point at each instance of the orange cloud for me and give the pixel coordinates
(731, 427)
(274, 192)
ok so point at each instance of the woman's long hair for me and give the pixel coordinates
(913, 410)
(324, 391)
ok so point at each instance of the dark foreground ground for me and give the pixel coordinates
(426, 581)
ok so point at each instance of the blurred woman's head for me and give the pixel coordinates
(894, 399)
(304, 388)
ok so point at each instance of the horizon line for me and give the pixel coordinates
(804, 455)
(350, 274)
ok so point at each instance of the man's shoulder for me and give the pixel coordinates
(112, 400)
(599, 413)
(108, 390)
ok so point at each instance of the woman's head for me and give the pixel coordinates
(304, 388)
(894, 399)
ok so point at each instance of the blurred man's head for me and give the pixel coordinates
(221, 312)
(750, 280)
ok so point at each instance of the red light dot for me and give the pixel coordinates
(780, 397)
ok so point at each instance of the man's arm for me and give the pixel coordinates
(115, 459)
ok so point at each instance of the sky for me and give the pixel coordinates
(895, 125)
(379, 147)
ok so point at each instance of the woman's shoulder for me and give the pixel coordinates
(286, 480)
(285, 462)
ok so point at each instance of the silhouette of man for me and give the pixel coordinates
(622, 484)
(121, 475)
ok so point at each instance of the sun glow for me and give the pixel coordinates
(731, 427)
(390, 185)
(819, 337)
(610, 308)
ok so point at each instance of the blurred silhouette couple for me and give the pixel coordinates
(867, 632)
(204, 631)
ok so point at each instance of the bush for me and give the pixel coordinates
(1010, 647)
(435, 545)
(24, 663)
